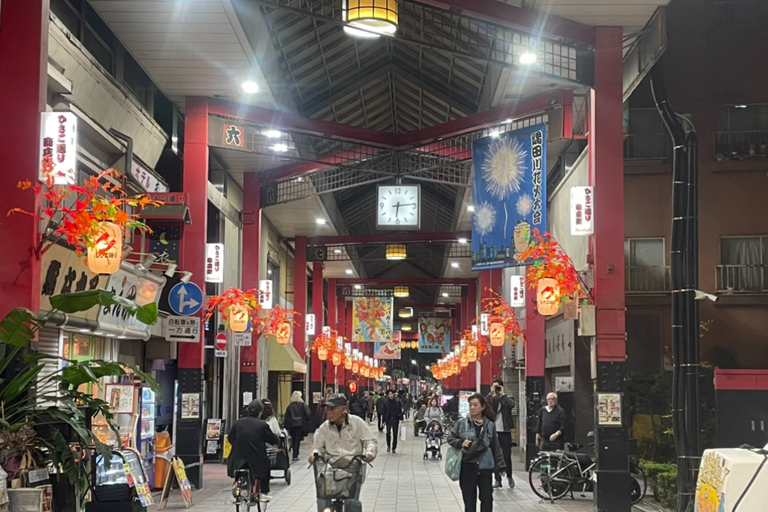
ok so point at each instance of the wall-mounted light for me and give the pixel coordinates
(250, 87)
(186, 277)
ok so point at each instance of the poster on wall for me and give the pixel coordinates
(609, 409)
(190, 405)
(434, 335)
(119, 397)
(389, 349)
(509, 195)
(372, 319)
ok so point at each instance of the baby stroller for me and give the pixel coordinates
(434, 440)
(278, 456)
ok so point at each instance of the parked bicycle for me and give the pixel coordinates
(552, 475)
(339, 481)
(245, 491)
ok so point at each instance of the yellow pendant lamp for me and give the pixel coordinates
(107, 253)
(547, 296)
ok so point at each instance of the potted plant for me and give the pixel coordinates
(32, 423)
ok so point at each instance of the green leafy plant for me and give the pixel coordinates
(662, 478)
(26, 426)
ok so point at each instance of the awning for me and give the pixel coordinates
(178, 212)
(285, 358)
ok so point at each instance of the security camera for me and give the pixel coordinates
(703, 295)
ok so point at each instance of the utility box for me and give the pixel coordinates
(732, 477)
(741, 402)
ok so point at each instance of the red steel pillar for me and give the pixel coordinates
(316, 367)
(486, 285)
(23, 89)
(497, 353)
(191, 356)
(471, 315)
(300, 295)
(250, 275)
(606, 172)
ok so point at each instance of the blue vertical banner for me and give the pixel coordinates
(509, 194)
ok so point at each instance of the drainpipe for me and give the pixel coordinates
(684, 274)
(128, 149)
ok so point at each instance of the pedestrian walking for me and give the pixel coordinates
(407, 405)
(475, 436)
(297, 417)
(393, 414)
(502, 406)
(380, 412)
(549, 429)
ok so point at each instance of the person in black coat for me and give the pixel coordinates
(297, 417)
(551, 424)
(393, 413)
(249, 437)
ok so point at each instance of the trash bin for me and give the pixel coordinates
(163, 456)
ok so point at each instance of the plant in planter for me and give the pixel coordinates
(31, 423)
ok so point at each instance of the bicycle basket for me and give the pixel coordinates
(342, 479)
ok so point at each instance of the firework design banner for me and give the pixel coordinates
(372, 319)
(509, 193)
(434, 335)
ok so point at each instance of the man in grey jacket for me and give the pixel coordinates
(503, 405)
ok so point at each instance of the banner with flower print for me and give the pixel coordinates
(509, 195)
(434, 335)
(372, 319)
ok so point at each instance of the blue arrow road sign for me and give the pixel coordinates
(185, 299)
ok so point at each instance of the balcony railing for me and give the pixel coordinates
(740, 278)
(741, 145)
(646, 279)
(646, 146)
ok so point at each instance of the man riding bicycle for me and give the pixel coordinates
(342, 436)
(249, 437)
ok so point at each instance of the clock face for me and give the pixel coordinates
(398, 207)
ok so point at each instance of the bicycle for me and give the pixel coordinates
(338, 481)
(552, 475)
(246, 493)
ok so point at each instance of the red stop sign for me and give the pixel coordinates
(221, 341)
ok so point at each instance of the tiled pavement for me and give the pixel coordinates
(401, 482)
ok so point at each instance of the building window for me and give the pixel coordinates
(743, 262)
(645, 270)
(646, 138)
(742, 132)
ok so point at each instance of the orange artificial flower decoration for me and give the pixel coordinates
(500, 311)
(551, 261)
(269, 324)
(78, 213)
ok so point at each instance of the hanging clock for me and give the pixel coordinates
(398, 207)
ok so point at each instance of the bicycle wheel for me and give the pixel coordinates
(547, 479)
(639, 485)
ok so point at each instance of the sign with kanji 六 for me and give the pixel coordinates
(233, 136)
(265, 297)
(517, 291)
(214, 263)
(58, 144)
(582, 211)
(182, 328)
(310, 324)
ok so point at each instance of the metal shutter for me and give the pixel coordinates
(49, 342)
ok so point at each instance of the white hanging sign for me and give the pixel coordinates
(214, 263)
(517, 291)
(309, 324)
(582, 211)
(484, 323)
(58, 143)
(265, 297)
(326, 330)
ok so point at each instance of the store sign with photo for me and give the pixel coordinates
(126, 284)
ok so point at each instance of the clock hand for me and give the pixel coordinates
(397, 209)
(407, 204)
